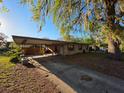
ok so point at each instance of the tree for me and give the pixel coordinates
(3, 37)
(3, 40)
(3, 9)
(100, 16)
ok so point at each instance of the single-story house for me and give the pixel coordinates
(35, 46)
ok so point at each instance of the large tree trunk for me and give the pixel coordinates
(113, 44)
(114, 49)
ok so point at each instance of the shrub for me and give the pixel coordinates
(15, 55)
(3, 51)
(42, 51)
(15, 58)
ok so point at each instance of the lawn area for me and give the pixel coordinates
(4, 59)
(5, 69)
(5, 63)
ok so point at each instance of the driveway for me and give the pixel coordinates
(83, 80)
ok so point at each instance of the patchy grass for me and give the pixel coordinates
(4, 59)
(5, 69)
(16, 78)
(5, 63)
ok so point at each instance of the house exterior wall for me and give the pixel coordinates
(59, 49)
(65, 51)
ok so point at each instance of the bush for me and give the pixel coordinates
(15, 58)
(15, 55)
(42, 51)
(3, 50)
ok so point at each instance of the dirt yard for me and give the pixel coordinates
(94, 61)
(25, 79)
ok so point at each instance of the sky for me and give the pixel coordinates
(18, 21)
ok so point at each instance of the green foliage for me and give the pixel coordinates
(89, 40)
(15, 55)
(1, 1)
(5, 62)
(42, 51)
(122, 47)
(4, 9)
(3, 51)
(12, 51)
(9, 49)
(27, 1)
(72, 15)
(15, 58)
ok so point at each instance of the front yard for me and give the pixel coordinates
(5, 63)
(16, 78)
(5, 68)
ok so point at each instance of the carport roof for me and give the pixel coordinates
(39, 41)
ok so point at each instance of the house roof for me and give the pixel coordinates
(39, 41)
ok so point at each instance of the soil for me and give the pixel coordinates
(26, 79)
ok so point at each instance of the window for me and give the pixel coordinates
(26, 46)
(70, 47)
(37, 46)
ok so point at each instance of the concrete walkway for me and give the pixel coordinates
(83, 80)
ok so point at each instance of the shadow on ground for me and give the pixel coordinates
(28, 65)
(80, 78)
